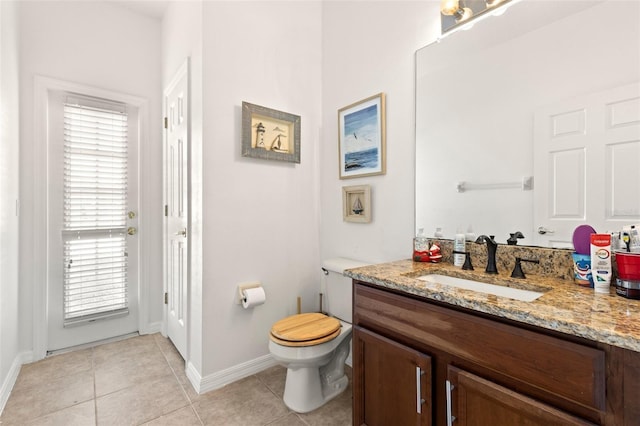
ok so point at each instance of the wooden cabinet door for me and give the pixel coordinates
(474, 401)
(391, 382)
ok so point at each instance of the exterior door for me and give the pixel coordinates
(472, 400)
(392, 382)
(92, 219)
(177, 134)
(586, 157)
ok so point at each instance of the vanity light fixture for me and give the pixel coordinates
(455, 9)
(456, 15)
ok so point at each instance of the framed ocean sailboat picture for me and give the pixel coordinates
(356, 203)
(362, 140)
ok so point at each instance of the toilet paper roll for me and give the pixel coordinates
(253, 297)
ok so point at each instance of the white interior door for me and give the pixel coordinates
(587, 164)
(92, 186)
(177, 134)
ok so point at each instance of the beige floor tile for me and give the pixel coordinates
(290, 419)
(79, 415)
(274, 378)
(141, 403)
(54, 367)
(142, 379)
(123, 350)
(164, 343)
(182, 417)
(174, 359)
(243, 403)
(27, 403)
(188, 389)
(337, 412)
(119, 374)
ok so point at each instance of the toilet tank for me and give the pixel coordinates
(336, 288)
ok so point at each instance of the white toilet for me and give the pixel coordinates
(313, 346)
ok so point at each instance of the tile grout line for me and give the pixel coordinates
(95, 398)
(175, 376)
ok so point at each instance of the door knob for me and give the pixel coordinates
(542, 230)
(132, 230)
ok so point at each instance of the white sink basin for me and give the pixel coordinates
(497, 290)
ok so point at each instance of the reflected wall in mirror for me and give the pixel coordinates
(477, 93)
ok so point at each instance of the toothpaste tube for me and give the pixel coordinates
(601, 262)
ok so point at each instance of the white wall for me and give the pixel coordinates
(260, 217)
(9, 176)
(108, 47)
(367, 48)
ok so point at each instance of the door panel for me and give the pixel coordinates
(177, 134)
(474, 401)
(96, 241)
(392, 384)
(622, 166)
(586, 156)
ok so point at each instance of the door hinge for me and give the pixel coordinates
(166, 298)
(166, 123)
(166, 210)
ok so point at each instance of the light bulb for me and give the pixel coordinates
(449, 7)
(465, 14)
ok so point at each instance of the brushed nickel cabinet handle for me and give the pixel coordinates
(450, 417)
(419, 400)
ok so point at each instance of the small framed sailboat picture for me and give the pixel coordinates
(356, 203)
(362, 140)
(270, 134)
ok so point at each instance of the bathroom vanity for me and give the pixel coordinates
(425, 353)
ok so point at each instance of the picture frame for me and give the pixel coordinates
(270, 134)
(356, 203)
(362, 138)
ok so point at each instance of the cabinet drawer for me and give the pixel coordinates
(555, 366)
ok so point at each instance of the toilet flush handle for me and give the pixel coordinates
(325, 271)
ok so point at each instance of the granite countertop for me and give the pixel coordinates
(564, 307)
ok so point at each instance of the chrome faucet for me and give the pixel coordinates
(492, 247)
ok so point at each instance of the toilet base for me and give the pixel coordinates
(304, 390)
(308, 388)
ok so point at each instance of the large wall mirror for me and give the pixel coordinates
(478, 95)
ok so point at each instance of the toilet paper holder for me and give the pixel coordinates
(246, 286)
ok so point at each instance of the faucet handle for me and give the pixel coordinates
(513, 238)
(517, 269)
(467, 266)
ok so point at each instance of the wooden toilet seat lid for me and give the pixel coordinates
(305, 329)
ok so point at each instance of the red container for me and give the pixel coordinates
(628, 266)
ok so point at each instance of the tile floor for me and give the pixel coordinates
(141, 380)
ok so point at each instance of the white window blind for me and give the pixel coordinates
(95, 205)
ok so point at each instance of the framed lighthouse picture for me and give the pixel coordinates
(270, 134)
(362, 140)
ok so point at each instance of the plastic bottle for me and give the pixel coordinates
(459, 245)
(421, 247)
(634, 239)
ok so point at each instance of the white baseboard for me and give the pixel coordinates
(229, 375)
(10, 380)
(151, 328)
